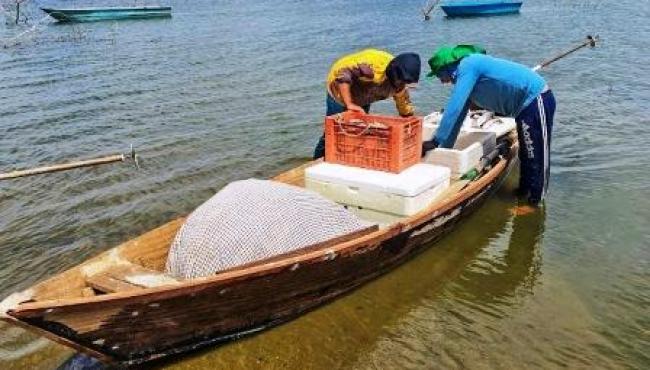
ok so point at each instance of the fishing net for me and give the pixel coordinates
(251, 220)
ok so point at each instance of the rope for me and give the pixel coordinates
(339, 121)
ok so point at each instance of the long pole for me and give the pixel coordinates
(71, 165)
(590, 41)
(62, 167)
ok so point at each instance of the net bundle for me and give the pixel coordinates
(251, 220)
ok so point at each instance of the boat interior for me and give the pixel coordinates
(140, 263)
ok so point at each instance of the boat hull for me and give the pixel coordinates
(103, 14)
(132, 328)
(479, 9)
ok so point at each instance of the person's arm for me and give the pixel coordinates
(346, 77)
(456, 109)
(344, 89)
(403, 103)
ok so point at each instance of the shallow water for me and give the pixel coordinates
(231, 90)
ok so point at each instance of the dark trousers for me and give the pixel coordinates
(534, 127)
(332, 107)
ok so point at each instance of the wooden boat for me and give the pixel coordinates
(110, 13)
(120, 307)
(473, 8)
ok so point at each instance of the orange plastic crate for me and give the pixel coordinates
(371, 141)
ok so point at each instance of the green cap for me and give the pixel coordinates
(446, 55)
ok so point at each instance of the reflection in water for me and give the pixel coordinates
(82, 362)
(471, 303)
(24, 350)
(519, 265)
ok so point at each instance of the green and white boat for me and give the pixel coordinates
(109, 13)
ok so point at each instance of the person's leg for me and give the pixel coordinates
(332, 107)
(524, 188)
(319, 151)
(549, 110)
(533, 139)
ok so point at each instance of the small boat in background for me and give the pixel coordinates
(474, 8)
(110, 13)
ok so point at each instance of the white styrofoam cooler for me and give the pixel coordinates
(404, 193)
(466, 154)
(458, 161)
(478, 121)
(487, 122)
(383, 219)
(430, 125)
(488, 140)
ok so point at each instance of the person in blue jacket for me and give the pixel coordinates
(508, 89)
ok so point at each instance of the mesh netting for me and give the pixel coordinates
(251, 220)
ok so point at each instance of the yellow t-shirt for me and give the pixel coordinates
(365, 71)
(377, 60)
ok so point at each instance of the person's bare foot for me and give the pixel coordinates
(523, 210)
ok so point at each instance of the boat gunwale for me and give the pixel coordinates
(265, 267)
(471, 3)
(107, 9)
(468, 11)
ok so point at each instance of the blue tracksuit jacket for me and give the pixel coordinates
(498, 85)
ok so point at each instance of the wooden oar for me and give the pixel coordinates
(70, 165)
(590, 41)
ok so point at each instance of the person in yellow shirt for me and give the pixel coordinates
(357, 80)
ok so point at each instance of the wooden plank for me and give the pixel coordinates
(106, 283)
(141, 276)
(87, 292)
(124, 269)
(128, 276)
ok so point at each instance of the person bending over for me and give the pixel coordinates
(508, 89)
(357, 80)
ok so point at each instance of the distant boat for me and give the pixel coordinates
(111, 13)
(473, 8)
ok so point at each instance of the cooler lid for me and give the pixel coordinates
(409, 183)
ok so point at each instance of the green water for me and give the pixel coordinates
(234, 89)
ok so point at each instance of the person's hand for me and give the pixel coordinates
(428, 145)
(354, 108)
